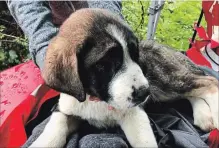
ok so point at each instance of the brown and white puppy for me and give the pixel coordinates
(96, 54)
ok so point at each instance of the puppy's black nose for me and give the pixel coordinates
(139, 95)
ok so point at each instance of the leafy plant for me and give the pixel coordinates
(175, 25)
(13, 44)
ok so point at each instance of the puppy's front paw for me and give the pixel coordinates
(214, 106)
(202, 115)
(48, 140)
(205, 111)
(212, 100)
(137, 129)
(40, 142)
(54, 133)
(147, 143)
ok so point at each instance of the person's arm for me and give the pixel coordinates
(113, 6)
(35, 19)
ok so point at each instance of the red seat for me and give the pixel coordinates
(22, 94)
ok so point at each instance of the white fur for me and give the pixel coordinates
(134, 122)
(92, 111)
(213, 103)
(206, 110)
(137, 129)
(55, 132)
(121, 86)
(131, 75)
(202, 114)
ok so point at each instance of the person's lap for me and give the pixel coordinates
(89, 136)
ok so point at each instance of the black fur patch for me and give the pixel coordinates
(101, 57)
(170, 73)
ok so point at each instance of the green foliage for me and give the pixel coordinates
(13, 49)
(13, 44)
(175, 25)
(136, 14)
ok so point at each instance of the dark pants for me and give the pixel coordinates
(171, 123)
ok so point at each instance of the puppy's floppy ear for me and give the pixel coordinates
(61, 68)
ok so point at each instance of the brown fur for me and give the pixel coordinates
(204, 85)
(60, 71)
(62, 51)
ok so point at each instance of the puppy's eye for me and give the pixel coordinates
(133, 51)
(100, 67)
(117, 64)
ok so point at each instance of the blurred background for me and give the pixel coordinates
(175, 27)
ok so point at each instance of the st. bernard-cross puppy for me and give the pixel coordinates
(96, 55)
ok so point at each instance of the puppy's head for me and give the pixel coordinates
(96, 53)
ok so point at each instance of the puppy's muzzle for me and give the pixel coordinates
(139, 95)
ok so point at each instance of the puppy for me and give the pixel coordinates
(96, 55)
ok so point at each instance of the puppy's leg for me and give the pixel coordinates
(137, 129)
(202, 114)
(204, 100)
(56, 131)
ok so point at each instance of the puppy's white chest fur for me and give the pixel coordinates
(133, 121)
(96, 113)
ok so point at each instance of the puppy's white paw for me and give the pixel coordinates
(206, 110)
(145, 143)
(54, 133)
(51, 139)
(213, 101)
(202, 115)
(137, 128)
